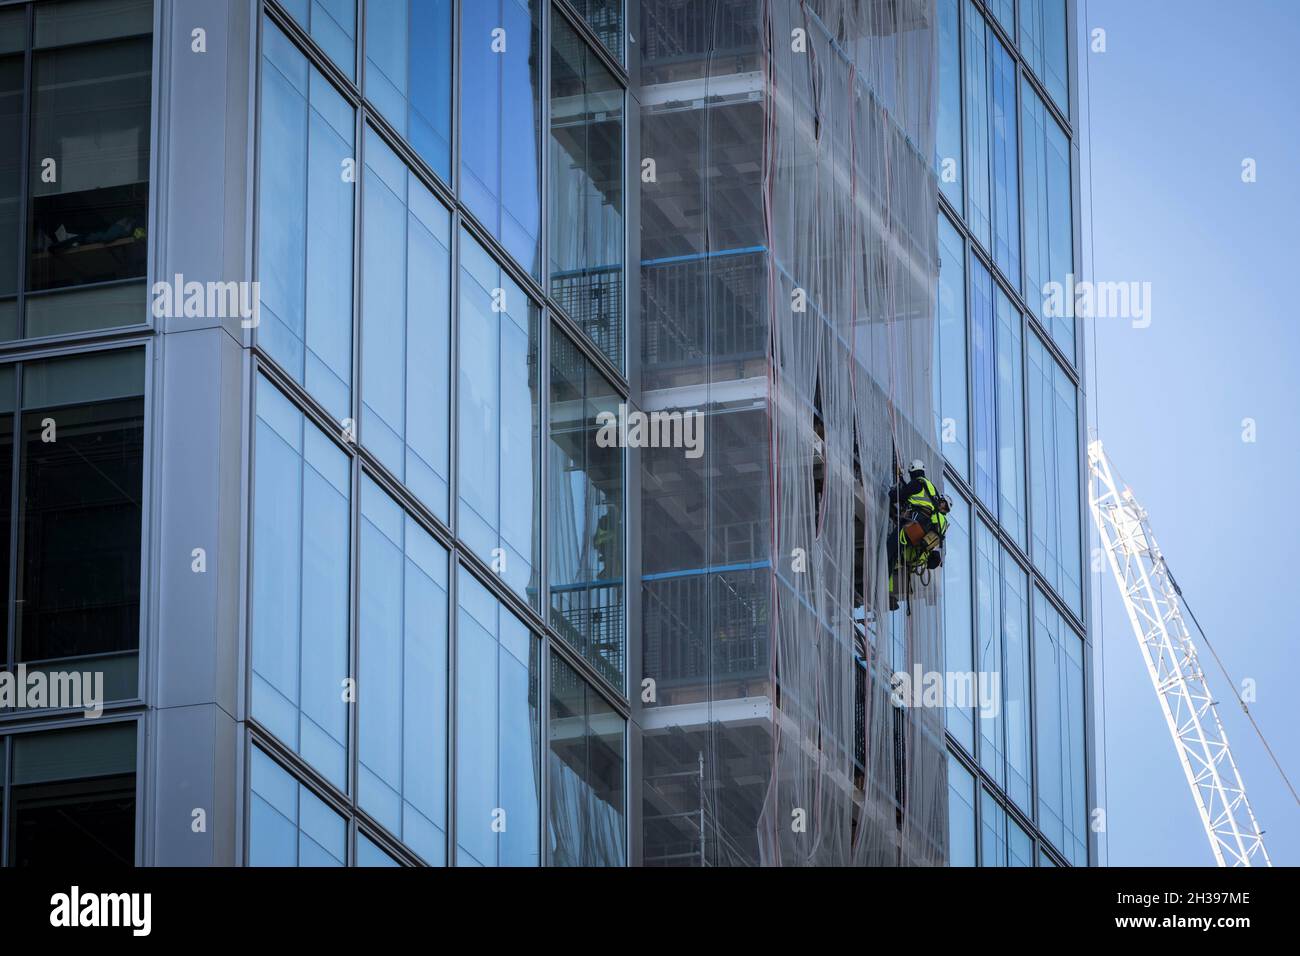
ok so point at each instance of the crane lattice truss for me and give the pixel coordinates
(1155, 610)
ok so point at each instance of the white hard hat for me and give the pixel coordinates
(916, 465)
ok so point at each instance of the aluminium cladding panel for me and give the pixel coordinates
(204, 104)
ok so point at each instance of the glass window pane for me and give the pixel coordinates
(605, 17)
(402, 777)
(1011, 420)
(586, 513)
(586, 774)
(1042, 40)
(498, 816)
(289, 825)
(1054, 475)
(408, 73)
(1020, 845)
(82, 475)
(500, 169)
(88, 160)
(306, 223)
(951, 313)
(983, 412)
(957, 624)
(1015, 679)
(961, 814)
(1005, 162)
(1059, 687)
(988, 611)
(586, 240)
(406, 327)
(498, 453)
(1049, 231)
(73, 798)
(300, 584)
(947, 145)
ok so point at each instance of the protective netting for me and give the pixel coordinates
(788, 276)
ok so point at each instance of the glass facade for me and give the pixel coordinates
(1007, 411)
(436, 556)
(420, 384)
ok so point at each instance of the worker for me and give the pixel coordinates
(920, 521)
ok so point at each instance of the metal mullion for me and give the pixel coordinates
(354, 462)
(453, 174)
(544, 334)
(453, 459)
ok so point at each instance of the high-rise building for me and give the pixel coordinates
(461, 433)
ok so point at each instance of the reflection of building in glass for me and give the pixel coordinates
(364, 585)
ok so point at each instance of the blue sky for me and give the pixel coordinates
(1184, 92)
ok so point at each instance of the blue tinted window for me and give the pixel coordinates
(951, 348)
(947, 144)
(991, 165)
(978, 199)
(300, 585)
(402, 777)
(1054, 475)
(1042, 40)
(305, 224)
(984, 415)
(498, 453)
(586, 239)
(1015, 679)
(993, 831)
(1011, 420)
(1005, 11)
(1049, 235)
(586, 823)
(961, 815)
(498, 817)
(500, 169)
(408, 73)
(333, 25)
(1005, 162)
(585, 483)
(1058, 680)
(988, 638)
(1020, 845)
(957, 623)
(406, 327)
(289, 825)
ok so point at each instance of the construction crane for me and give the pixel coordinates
(1154, 604)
